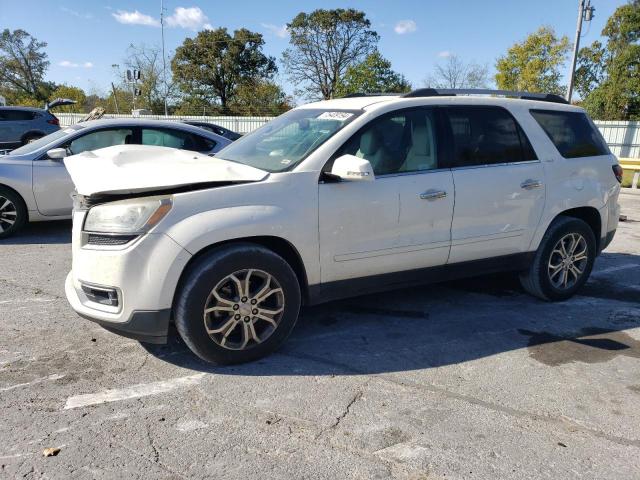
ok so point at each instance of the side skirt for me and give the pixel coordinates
(353, 287)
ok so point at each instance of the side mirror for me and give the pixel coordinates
(353, 169)
(57, 153)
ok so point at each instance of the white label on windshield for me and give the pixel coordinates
(335, 116)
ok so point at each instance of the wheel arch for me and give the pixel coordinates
(31, 132)
(589, 215)
(278, 245)
(13, 190)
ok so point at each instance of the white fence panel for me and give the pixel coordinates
(237, 124)
(622, 137)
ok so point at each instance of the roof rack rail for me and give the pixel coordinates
(452, 92)
(377, 94)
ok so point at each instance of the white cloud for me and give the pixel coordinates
(135, 18)
(77, 14)
(444, 54)
(278, 31)
(192, 18)
(69, 64)
(405, 26)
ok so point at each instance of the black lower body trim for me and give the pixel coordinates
(389, 281)
(607, 240)
(145, 326)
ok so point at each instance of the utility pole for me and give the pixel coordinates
(585, 12)
(164, 58)
(115, 98)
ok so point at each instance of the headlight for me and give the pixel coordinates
(128, 216)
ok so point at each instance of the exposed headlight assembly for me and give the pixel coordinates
(135, 216)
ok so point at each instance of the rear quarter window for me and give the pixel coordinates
(572, 133)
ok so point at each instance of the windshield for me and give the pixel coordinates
(287, 140)
(46, 140)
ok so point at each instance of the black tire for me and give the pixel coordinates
(206, 273)
(30, 137)
(16, 212)
(536, 280)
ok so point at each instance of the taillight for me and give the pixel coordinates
(54, 121)
(617, 171)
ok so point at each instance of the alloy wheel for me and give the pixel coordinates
(8, 214)
(244, 309)
(568, 261)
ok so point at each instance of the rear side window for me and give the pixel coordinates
(485, 136)
(572, 133)
(166, 137)
(17, 115)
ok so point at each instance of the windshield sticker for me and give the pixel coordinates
(285, 161)
(335, 116)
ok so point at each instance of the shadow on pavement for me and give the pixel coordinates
(41, 233)
(450, 323)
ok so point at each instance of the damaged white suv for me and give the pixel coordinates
(335, 199)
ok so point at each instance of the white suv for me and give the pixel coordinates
(335, 199)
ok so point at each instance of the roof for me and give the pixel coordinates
(104, 122)
(382, 101)
(27, 109)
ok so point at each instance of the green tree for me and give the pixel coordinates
(590, 68)
(72, 93)
(373, 75)
(212, 65)
(260, 97)
(23, 63)
(534, 64)
(615, 95)
(324, 44)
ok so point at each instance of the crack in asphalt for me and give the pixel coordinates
(564, 422)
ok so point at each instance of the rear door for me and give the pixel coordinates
(52, 185)
(499, 184)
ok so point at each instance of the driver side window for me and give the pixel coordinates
(400, 142)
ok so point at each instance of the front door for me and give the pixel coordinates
(500, 191)
(52, 185)
(401, 220)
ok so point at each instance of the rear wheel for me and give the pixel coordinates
(13, 212)
(563, 261)
(237, 303)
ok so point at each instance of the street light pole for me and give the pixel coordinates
(585, 12)
(164, 58)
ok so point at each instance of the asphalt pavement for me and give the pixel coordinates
(468, 379)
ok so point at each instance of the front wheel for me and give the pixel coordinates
(13, 212)
(237, 303)
(563, 261)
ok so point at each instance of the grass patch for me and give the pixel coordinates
(627, 178)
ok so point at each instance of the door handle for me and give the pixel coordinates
(433, 194)
(531, 184)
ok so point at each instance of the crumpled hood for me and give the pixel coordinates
(126, 169)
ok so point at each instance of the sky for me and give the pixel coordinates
(85, 38)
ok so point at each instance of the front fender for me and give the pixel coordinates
(17, 175)
(204, 229)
